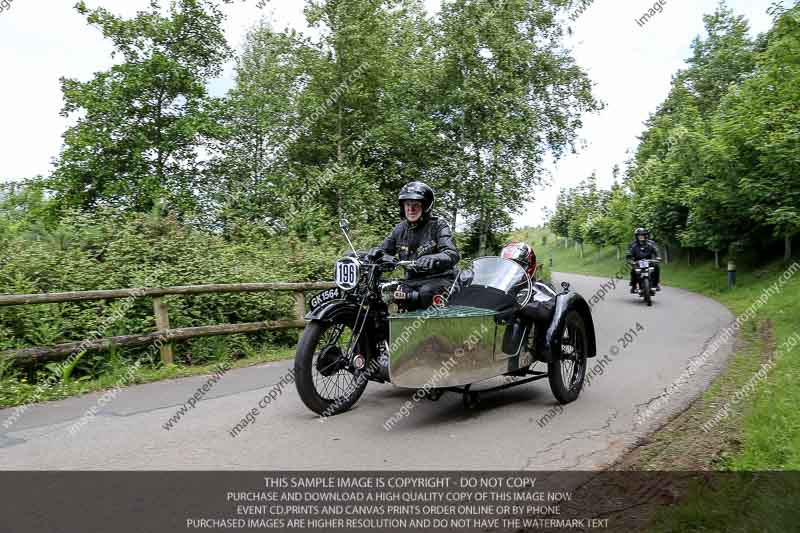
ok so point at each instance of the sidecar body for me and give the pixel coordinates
(479, 333)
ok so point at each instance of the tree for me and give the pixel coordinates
(141, 124)
(757, 126)
(682, 188)
(359, 119)
(617, 222)
(560, 220)
(509, 93)
(250, 182)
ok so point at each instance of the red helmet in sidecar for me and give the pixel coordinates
(522, 253)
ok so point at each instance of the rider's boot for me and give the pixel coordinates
(382, 372)
(384, 367)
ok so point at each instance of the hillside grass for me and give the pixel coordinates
(763, 431)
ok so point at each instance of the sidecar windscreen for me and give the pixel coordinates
(502, 274)
(483, 298)
(491, 283)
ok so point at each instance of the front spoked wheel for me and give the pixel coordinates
(567, 372)
(325, 376)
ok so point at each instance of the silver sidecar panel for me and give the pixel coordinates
(448, 347)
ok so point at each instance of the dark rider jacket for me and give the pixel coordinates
(644, 250)
(432, 237)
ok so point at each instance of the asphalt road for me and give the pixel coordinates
(519, 428)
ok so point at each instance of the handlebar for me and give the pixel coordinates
(389, 263)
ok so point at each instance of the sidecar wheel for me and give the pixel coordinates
(434, 394)
(325, 380)
(567, 372)
(470, 400)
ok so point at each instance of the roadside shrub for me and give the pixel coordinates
(104, 250)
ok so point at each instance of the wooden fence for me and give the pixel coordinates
(163, 332)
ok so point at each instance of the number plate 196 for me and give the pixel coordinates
(346, 274)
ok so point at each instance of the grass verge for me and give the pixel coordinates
(15, 392)
(759, 430)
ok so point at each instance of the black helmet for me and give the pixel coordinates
(416, 190)
(641, 231)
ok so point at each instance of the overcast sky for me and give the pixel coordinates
(631, 67)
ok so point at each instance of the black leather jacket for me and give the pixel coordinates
(433, 237)
(644, 250)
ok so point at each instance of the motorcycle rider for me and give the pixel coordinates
(644, 248)
(425, 239)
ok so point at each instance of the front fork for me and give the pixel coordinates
(373, 325)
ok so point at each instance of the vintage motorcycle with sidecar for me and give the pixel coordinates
(493, 321)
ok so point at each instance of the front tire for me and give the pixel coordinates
(648, 296)
(567, 372)
(324, 378)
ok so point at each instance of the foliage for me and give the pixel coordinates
(106, 249)
(759, 127)
(503, 115)
(717, 167)
(141, 123)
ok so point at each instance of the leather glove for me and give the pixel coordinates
(426, 262)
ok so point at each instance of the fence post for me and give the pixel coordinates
(300, 304)
(162, 324)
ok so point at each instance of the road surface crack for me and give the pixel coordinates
(604, 429)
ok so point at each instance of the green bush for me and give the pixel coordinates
(106, 250)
